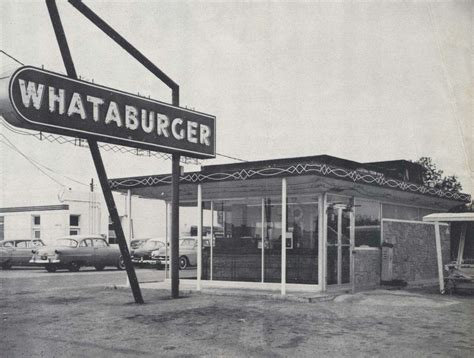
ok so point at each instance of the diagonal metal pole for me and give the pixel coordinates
(127, 46)
(99, 165)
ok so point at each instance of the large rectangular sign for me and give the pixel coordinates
(58, 104)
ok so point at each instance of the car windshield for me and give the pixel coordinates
(66, 242)
(152, 244)
(186, 243)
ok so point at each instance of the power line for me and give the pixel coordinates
(30, 161)
(13, 58)
(229, 157)
(36, 163)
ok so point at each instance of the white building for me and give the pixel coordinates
(74, 213)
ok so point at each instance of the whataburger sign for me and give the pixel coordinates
(50, 102)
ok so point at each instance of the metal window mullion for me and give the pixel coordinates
(263, 241)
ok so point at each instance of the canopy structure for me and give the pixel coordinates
(465, 218)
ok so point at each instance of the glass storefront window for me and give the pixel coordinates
(237, 233)
(248, 233)
(338, 239)
(402, 212)
(302, 240)
(367, 223)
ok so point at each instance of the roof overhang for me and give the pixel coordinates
(449, 217)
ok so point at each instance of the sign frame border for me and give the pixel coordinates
(88, 134)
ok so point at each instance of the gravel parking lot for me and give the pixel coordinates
(103, 321)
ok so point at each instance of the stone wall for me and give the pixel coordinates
(414, 250)
(366, 268)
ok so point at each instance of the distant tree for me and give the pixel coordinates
(433, 177)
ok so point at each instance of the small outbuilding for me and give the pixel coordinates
(314, 223)
(466, 219)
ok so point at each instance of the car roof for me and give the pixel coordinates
(81, 237)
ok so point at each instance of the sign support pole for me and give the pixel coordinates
(99, 165)
(114, 35)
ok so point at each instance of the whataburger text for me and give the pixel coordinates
(87, 107)
(37, 99)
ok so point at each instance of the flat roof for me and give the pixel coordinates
(324, 167)
(449, 217)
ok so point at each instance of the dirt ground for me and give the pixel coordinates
(104, 322)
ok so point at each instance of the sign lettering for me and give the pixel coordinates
(55, 103)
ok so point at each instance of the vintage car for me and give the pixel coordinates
(73, 252)
(17, 252)
(187, 253)
(136, 243)
(142, 255)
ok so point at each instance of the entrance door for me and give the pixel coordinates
(338, 245)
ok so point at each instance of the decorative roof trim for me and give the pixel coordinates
(356, 176)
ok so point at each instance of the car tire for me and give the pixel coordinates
(183, 262)
(121, 263)
(74, 266)
(99, 267)
(6, 266)
(50, 268)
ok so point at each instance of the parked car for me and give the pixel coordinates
(187, 253)
(136, 243)
(17, 252)
(142, 255)
(74, 252)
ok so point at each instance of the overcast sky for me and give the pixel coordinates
(361, 81)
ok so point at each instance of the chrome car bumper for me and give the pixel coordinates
(46, 261)
(147, 262)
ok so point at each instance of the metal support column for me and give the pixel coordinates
(283, 236)
(263, 241)
(167, 239)
(175, 227)
(127, 46)
(94, 149)
(129, 218)
(199, 238)
(212, 241)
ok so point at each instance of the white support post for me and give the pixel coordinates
(324, 247)
(167, 238)
(283, 236)
(321, 243)
(129, 217)
(129, 224)
(462, 240)
(439, 257)
(199, 234)
(263, 241)
(339, 246)
(351, 249)
(212, 241)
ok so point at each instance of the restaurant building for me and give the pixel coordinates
(311, 223)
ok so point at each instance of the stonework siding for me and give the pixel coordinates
(414, 250)
(366, 268)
